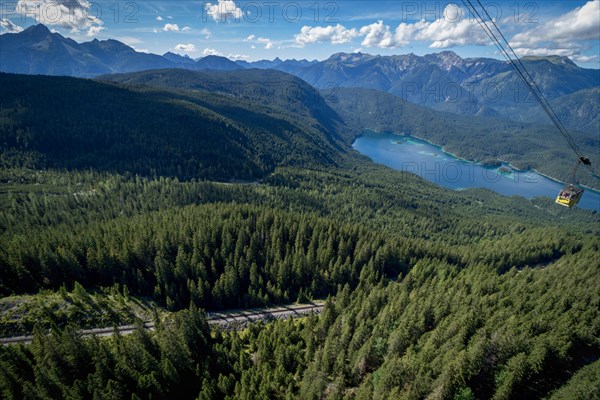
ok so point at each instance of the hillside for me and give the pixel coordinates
(289, 95)
(524, 145)
(189, 135)
(351, 110)
(108, 213)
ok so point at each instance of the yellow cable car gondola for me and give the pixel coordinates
(570, 195)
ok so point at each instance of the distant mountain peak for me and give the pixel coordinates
(553, 59)
(171, 54)
(37, 29)
(351, 57)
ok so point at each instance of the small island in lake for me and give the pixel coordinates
(505, 170)
(491, 162)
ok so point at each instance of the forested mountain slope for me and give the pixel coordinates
(432, 292)
(50, 122)
(457, 295)
(485, 139)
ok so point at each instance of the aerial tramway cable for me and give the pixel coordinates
(526, 77)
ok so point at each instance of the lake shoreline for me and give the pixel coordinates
(409, 153)
(504, 162)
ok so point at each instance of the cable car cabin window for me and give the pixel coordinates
(569, 196)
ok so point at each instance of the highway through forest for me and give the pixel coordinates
(234, 319)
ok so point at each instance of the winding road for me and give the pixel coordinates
(234, 319)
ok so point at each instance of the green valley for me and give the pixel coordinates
(164, 194)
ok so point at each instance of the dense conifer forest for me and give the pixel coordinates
(429, 293)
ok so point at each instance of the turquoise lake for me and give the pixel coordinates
(407, 153)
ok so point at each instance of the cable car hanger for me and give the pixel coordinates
(570, 194)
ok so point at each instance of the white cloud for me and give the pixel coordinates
(69, 14)
(159, 18)
(94, 30)
(128, 40)
(186, 28)
(449, 30)
(582, 23)
(207, 34)
(584, 59)
(335, 34)
(544, 51)
(443, 33)
(186, 48)
(140, 50)
(211, 52)
(378, 35)
(452, 29)
(269, 44)
(562, 35)
(238, 56)
(223, 10)
(171, 27)
(8, 26)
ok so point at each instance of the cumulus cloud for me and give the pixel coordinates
(442, 33)
(213, 52)
(140, 50)
(545, 51)
(562, 35)
(159, 18)
(186, 48)
(450, 30)
(69, 14)
(207, 34)
(171, 27)
(378, 35)
(269, 44)
(8, 26)
(223, 10)
(94, 30)
(238, 56)
(335, 34)
(582, 23)
(186, 28)
(584, 59)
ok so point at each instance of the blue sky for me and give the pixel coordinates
(254, 30)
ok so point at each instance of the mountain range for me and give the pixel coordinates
(443, 81)
(38, 51)
(473, 86)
